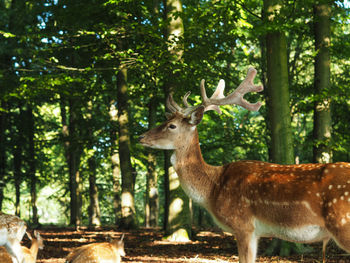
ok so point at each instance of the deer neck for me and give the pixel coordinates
(34, 249)
(197, 178)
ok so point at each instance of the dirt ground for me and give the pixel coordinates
(146, 245)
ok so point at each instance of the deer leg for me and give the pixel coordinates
(324, 245)
(247, 247)
(339, 227)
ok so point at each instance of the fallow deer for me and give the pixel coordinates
(106, 252)
(251, 199)
(29, 254)
(12, 230)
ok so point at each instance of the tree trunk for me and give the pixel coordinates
(322, 109)
(73, 160)
(94, 208)
(115, 164)
(278, 92)
(32, 165)
(152, 198)
(128, 219)
(3, 117)
(18, 160)
(179, 217)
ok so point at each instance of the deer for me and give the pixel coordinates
(12, 230)
(106, 252)
(301, 203)
(29, 254)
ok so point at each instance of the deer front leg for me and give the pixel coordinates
(247, 246)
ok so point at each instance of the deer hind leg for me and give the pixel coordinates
(339, 227)
(247, 247)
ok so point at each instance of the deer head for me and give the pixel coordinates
(181, 122)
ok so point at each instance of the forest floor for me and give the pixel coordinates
(146, 245)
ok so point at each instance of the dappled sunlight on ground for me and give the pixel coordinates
(147, 245)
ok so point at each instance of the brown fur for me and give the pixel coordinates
(110, 252)
(252, 199)
(30, 254)
(12, 230)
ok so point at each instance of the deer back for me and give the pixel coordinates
(98, 252)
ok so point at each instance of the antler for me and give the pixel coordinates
(218, 98)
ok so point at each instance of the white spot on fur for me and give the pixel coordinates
(343, 221)
(330, 187)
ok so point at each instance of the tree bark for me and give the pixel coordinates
(32, 165)
(278, 91)
(3, 123)
(94, 207)
(152, 198)
(73, 159)
(179, 216)
(18, 160)
(322, 109)
(128, 219)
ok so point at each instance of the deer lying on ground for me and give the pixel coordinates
(106, 252)
(251, 199)
(12, 230)
(29, 254)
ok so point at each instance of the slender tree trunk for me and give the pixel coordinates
(73, 160)
(152, 199)
(128, 219)
(167, 165)
(3, 117)
(94, 208)
(116, 179)
(18, 161)
(322, 109)
(31, 164)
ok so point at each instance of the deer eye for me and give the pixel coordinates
(172, 126)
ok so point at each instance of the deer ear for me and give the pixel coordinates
(197, 116)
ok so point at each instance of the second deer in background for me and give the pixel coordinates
(110, 252)
(29, 254)
(12, 230)
(251, 199)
